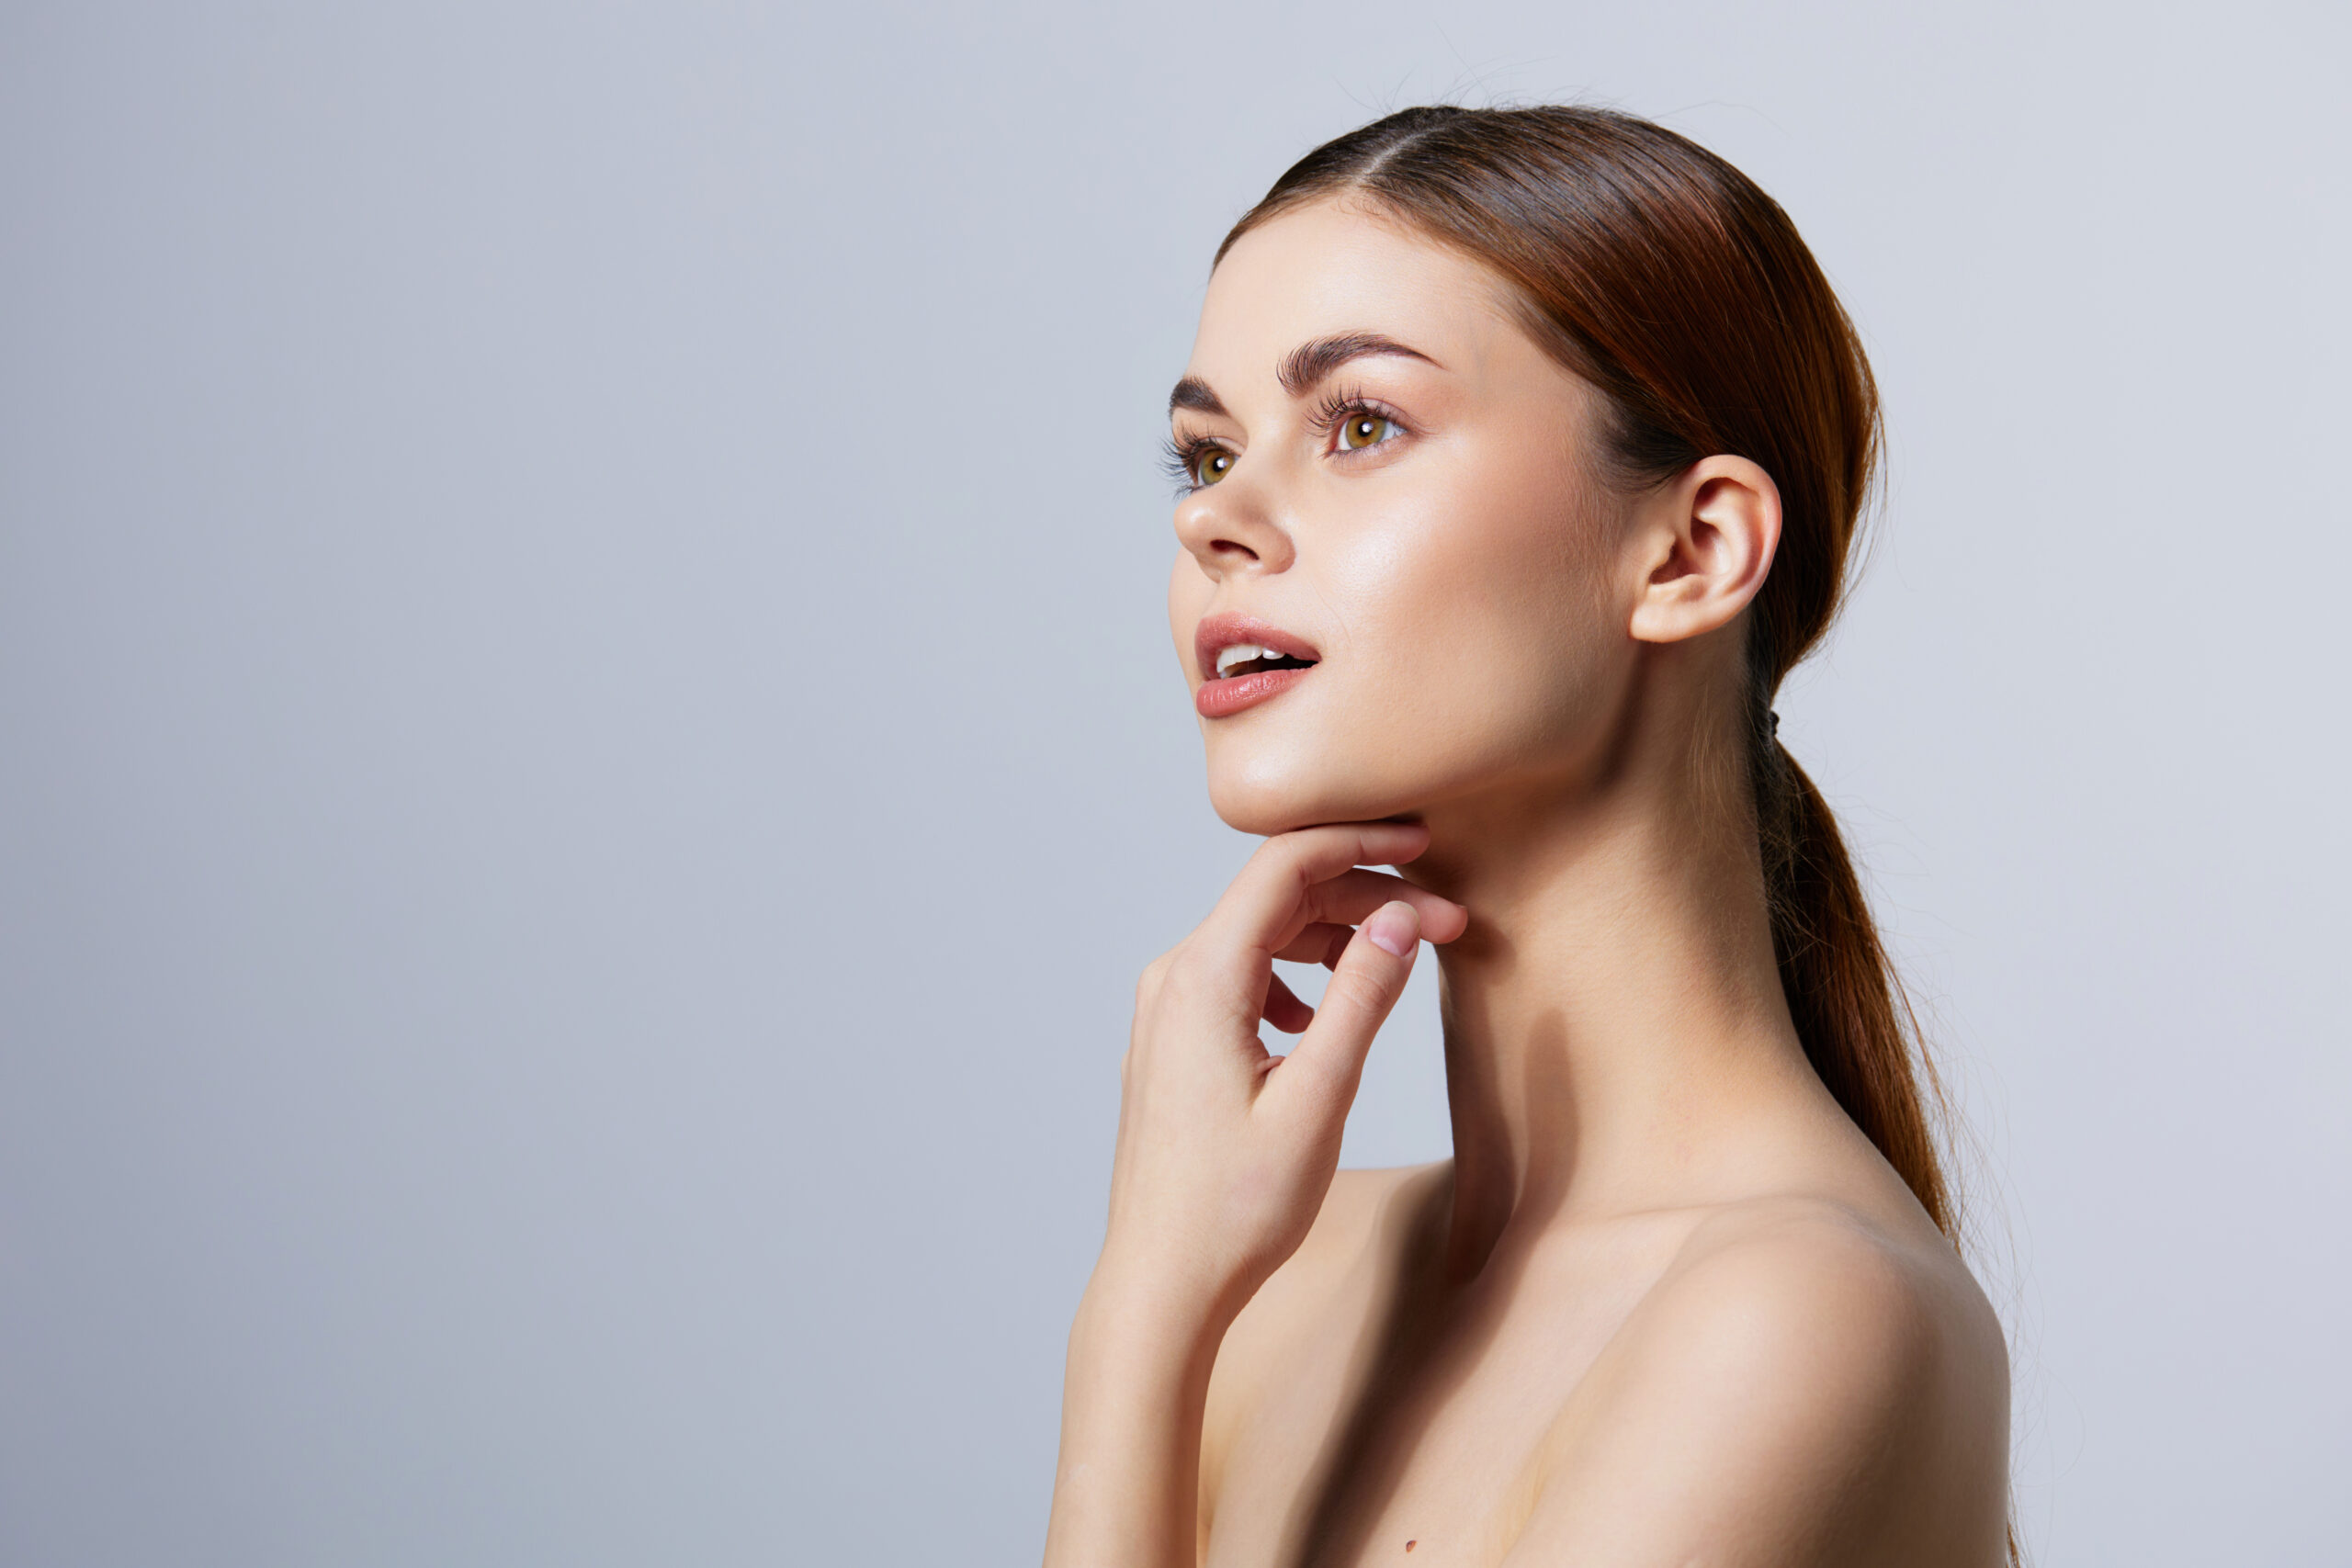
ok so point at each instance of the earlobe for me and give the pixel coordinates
(1710, 535)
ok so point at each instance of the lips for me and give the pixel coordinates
(1260, 660)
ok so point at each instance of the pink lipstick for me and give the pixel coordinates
(1243, 661)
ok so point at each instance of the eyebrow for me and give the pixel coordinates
(1301, 368)
(1307, 364)
(1191, 392)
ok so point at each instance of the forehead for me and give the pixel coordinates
(1337, 266)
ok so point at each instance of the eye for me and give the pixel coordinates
(1195, 462)
(1365, 428)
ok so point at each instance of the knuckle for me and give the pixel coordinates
(1357, 992)
(1203, 956)
(1155, 974)
(1324, 899)
(1279, 844)
(1167, 984)
(1187, 984)
(1290, 851)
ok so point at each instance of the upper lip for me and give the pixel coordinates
(1219, 632)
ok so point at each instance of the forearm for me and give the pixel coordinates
(1221, 1168)
(1127, 1491)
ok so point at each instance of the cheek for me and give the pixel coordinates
(1480, 640)
(1484, 622)
(1189, 592)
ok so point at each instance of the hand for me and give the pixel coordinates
(1226, 1151)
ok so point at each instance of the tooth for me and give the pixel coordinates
(1238, 653)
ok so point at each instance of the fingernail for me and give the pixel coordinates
(1394, 928)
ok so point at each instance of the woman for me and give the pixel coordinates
(1521, 453)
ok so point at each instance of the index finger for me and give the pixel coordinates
(1264, 900)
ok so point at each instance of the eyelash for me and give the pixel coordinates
(1181, 458)
(1336, 407)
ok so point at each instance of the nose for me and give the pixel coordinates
(1229, 529)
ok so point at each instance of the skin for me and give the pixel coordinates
(1666, 1304)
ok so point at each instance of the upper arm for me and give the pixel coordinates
(1784, 1399)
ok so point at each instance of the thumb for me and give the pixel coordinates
(1325, 1064)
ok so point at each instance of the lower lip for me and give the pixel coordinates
(1217, 699)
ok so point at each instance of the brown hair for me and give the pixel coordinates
(1663, 277)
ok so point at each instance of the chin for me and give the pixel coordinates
(1267, 798)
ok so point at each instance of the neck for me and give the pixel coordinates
(1616, 1038)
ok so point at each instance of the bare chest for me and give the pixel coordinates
(1413, 1433)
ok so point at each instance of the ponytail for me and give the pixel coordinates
(1847, 1000)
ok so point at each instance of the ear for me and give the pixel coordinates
(1703, 544)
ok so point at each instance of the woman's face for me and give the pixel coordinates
(1393, 481)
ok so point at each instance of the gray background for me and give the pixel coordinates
(588, 750)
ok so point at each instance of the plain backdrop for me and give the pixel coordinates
(589, 750)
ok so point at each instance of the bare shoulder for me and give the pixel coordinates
(1827, 1294)
(1804, 1383)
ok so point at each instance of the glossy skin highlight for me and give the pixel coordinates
(1447, 664)
(1667, 1303)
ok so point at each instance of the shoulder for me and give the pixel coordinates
(1803, 1381)
(1814, 1294)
